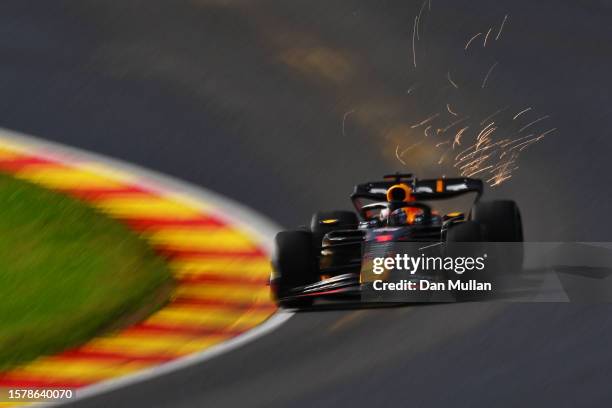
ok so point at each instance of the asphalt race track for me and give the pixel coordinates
(248, 99)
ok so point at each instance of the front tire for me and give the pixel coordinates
(294, 265)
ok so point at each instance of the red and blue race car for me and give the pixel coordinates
(326, 258)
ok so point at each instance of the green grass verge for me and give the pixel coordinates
(66, 272)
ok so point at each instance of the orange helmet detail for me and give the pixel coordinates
(400, 192)
(403, 192)
(410, 213)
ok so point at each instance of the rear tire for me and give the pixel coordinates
(295, 266)
(501, 219)
(502, 222)
(345, 220)
(465, 240)
(468, 231)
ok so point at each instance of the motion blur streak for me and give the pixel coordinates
(215, 299)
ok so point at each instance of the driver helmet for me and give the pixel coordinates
(399, 193)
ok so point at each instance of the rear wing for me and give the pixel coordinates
(423, 190)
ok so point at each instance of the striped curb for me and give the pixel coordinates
(221, 268)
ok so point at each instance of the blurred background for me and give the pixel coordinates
(286, 105)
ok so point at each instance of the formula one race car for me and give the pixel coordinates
(325, 259)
